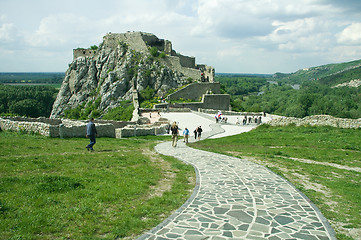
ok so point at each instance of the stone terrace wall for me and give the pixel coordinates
(66, 128)
(317, 120)
(231, 113)
(195, 91)
(31, 126)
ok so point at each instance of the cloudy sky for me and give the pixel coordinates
(234, 36)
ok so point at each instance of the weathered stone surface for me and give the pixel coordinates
(66, 128)
(317, 120)
(121, 64)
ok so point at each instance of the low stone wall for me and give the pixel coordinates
(79, 130)
(66, 128)
(141, 130)
(317, 120)
(195, 91)
(41, 128)
(231, 113)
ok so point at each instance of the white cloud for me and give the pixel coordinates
(6, 32)
(60, 29)
(351, 35)
(232, 35)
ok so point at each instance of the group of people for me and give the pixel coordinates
(174, 129)
(257, 120)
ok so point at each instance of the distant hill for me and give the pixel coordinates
(329, 74)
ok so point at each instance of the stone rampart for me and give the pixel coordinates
(41, 128)
(216, 101)
(195, 91)
(66, 128)
(317, 120)
(231, 113)
(83, 53)
(141, 130)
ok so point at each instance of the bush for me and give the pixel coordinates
(122, 113)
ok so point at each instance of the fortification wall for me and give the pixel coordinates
(317, 120)
(188, 62)
(66, 128)
(216, 101)
(141, 130)
(175, 63)
(83, 53)
(41, 128)
(195, 91)
(231, 113)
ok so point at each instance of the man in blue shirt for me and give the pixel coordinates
(91, 133)
(186, 135)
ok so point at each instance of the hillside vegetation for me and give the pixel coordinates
(301, 94)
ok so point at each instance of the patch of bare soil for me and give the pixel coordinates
(165, 183)
(340, 227)
(342, 167)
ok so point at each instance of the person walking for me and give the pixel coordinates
(91, 133)
(195, 133)
(175, 132)
(186, 135)
(199, 132)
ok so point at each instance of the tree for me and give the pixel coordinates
(27, 107)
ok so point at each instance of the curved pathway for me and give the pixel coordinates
(238, 199)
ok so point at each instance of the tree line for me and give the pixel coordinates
(313, 98)
(30, 101)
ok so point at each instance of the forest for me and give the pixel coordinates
(315, 93)
(30, 101)
(312, 98)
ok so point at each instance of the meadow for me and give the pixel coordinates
(322, 162)
(55, 189)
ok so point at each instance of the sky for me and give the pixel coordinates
(234, 36)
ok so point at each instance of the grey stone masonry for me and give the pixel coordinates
(317, 120)
(238, 199)
(66, 128)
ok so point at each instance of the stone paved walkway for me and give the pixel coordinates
(238, 199)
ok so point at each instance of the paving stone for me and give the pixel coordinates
(238, 199)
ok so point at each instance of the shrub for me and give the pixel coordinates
(122, 113)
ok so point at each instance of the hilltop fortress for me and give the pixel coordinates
(124, 65)
(141, 42)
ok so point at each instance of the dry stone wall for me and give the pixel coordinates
(317, 120)
(66, 128)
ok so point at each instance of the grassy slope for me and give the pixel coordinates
(336, 191)
(55, 189)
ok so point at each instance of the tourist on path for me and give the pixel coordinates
(91, 133)
(195, 133)
(175, 132)
(186, 135)
(199, 132)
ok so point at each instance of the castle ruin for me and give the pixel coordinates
(141, 42)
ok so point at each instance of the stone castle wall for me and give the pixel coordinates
(66, 128)
(83, 53)
(195, 91)
(216, 101)
(141, 41)
(317, 120)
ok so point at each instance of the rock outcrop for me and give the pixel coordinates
(122, 64)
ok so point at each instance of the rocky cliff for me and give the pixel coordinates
(123, 64)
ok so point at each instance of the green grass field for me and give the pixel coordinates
(55, 189)
(322, 162)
